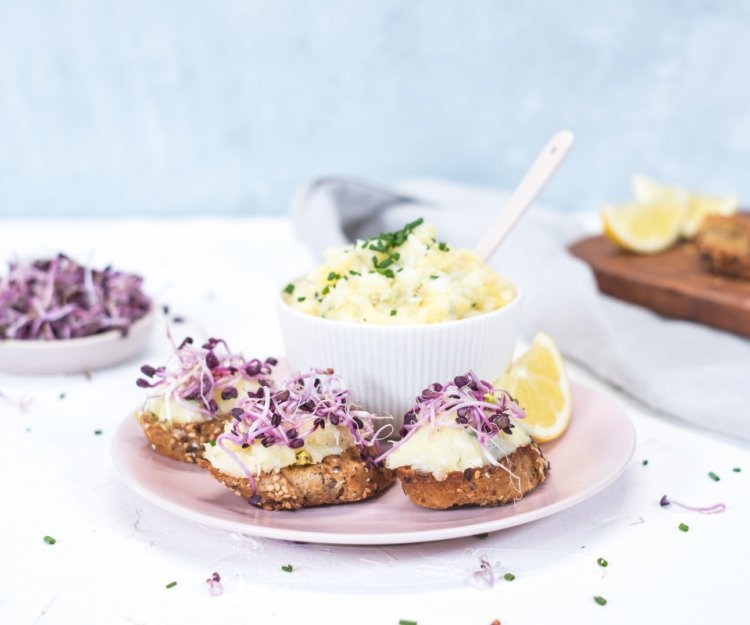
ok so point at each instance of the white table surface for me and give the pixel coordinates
(115, 552)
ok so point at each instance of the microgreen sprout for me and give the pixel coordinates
(717, 507)
(214, 584)
(57, 298)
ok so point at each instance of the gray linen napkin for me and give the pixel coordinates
(689, 371)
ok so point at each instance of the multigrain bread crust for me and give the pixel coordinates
(724, 245)
(485, 486)
(339, 478)
(180, 441)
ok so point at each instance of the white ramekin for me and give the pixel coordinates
(387, 366)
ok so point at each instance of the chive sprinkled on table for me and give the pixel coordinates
(600, 600)
(737, 470)
(404, 621)
(645, 462)
(61, 396)
(713, 476)
(287, 567)
(509, 577)
(97, 432)
(171, 585)
(683, 527)
(49, 540)
(602, 562)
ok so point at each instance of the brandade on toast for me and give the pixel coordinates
(463, 444)
(191, 397)
(304, 443)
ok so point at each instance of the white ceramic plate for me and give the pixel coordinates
(592, 453)
(75, 355)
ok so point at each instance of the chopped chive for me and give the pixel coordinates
(287, 567)
(434, 277)
(394, 312)
(289, 289)
(49, 540)
(509, 577)
(406, 622)
(600, 600)
(443, 247)
(332, 275)
(326, 290)
(645, 462)
(212, 443)
(97, 432)
(354, 273)
(683, 527)
(171, 585)
(482, 536)
(61, 396)
(713, 476)
(737, 470)
(602, 562)
(301, 299)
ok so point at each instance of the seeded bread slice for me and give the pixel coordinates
(724, 245)
(339, 478)
(485, 486)
(180, 441)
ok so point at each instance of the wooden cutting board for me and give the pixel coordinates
(672, 284)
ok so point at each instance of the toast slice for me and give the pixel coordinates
(338, 478)
(180, 441)
(521, 471)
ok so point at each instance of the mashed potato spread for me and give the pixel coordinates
(403, 277)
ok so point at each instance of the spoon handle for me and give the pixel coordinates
(526, 192)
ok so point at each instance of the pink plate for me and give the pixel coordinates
(591, 454)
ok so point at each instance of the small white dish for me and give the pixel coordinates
(593, 452)
(35, 357)
(390, 364)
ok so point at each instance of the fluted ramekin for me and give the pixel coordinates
(387, 366)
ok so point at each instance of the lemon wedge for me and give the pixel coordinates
(538, 382)
(648, 191)
(644, 228)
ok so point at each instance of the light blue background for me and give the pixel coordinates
(228, 107)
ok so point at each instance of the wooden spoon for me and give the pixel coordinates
(526, 192)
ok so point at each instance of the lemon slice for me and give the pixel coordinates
(644, 228)
(648, 191)
(538, 382)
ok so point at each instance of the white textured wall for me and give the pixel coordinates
(198, 107)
